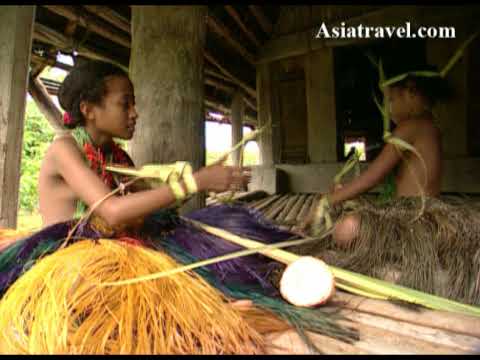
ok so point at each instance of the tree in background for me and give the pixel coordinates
(37, 135)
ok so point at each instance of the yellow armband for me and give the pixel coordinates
(177, 190)
(190, 183)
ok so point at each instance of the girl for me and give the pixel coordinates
(99, 102)
(100, 105)
(430, 246)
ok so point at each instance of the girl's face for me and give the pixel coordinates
(117, 115)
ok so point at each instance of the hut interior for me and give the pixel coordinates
(315, 96)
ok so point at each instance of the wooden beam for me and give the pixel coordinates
(227, 73)
(265, 24)
(219, 85)
(209, 101)
(218, 27)
(249, 103)
(213, 103)
(49, 36)
(229, 90)
(70, 28)
(236, 17)
(45, 104)
(50, 62)
(111, 16)
(90, 23)
(212, 72)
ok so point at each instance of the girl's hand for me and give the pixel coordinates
(220, 178)
(242, 304)
(336, 187)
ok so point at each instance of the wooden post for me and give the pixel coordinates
(321, 115)
(166, 67)
(238, 110)
(268, 142)
(15, 48)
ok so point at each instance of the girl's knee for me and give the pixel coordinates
(346, 230)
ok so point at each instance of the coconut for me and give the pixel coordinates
(307, 282)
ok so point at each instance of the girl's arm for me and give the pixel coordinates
(377, 171)
(88, 187)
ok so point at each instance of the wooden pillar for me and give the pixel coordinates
(166, 67)
(321, 115)
(269, 141)
(15, 47)
(237, 115)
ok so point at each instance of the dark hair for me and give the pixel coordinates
(85, 83)
(434, 88)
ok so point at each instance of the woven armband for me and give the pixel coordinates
(177, 190)
(190, 184)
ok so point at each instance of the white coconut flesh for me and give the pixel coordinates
(307, 282)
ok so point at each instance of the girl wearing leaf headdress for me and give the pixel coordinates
(415, 237)
(409, 103)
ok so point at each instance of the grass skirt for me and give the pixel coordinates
(53, 301)
(438, 253)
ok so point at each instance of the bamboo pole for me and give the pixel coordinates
(276, 207)
(263, 203)
(269, 201)
(294, 212)
(288, 207)
(305, 208)
(251, 195)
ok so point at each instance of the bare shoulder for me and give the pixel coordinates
(63, 147)
(415, 129)
(62, 155)
(429, 128)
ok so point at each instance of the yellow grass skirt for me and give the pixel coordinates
(60, 307)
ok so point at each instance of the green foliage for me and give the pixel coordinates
(36, 137)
